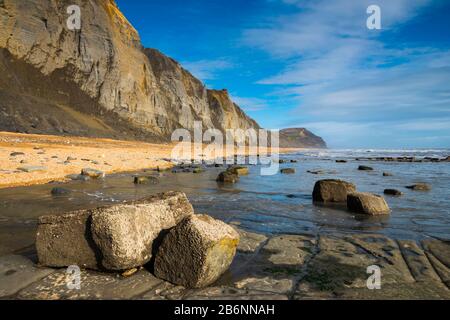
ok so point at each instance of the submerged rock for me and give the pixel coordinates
(393, 192)
(92, 173)
(331, 190)
(116, 237)
(146, 180)
(78, 177)
(420, 187)
(227, 177)
(367, 203)
(196, 252)
(60, 191)
(341, 161)
(387, 174)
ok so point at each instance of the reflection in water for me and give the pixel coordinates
(267, 204)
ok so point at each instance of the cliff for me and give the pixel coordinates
(300, 138)
(97, 81)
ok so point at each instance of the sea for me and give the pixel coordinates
(275, 204)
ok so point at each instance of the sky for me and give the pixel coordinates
(315, 64)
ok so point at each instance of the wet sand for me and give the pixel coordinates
(62, 156)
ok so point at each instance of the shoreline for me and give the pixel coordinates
(60, 156)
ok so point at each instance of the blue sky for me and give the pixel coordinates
(314, 64)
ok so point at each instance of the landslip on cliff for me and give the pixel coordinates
(97, 81)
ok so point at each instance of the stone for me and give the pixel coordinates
(65, 240)
(227, 177)
(365, 168)
(18, 272)
(118, 237)
(288, 171)
(57, 191)
(146, 180)
(393, 192)
(331, 190)
(341, 161)
(419, 187)
(32, 168)
(293, 161)
(78, 177)
(92, 173)
(387, 174)
(196, 252)
(367, 203)
(71, 158)
(125, 234)
(197, 170)
(15, 154)
(240, 171)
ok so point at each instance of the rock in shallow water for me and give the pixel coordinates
(240, 171)
(117, 237)
(146, 180)
(196, 252)
(393, 192)
(331, 190)
(365, 168)
(227, 177)
(92, 173)
(288, 171)
(367, 203)
(420, 187)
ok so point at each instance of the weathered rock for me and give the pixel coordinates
(288, 171)
(117, 237)
(393, 192)
(227, 177)
(196, 252)
(420, 187)
(92, 173)
(65, 240)
(367, 203)
(331, 190)
(57, 191)
(365, 168)
(240, 171)
(146, 180)
(32, 168)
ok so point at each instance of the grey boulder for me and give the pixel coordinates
(367, 203)
(196, 252)
(116, 237)
(331, 190)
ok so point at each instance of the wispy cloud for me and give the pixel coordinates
(207, 69)
(348, 80)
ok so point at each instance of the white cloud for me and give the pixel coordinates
(207, 69)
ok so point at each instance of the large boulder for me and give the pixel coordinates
(116, 237)
(196, 252)
(367, 203)
(331, 190)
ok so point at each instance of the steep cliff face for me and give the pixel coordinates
(300, 138)
(97, 80)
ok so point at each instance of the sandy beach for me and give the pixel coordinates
(61, 156)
